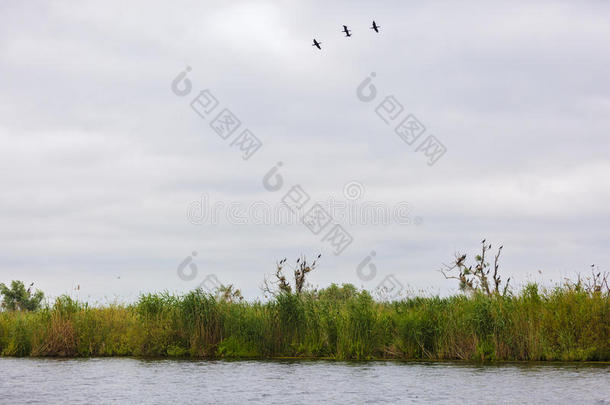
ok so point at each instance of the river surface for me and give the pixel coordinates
(125, 380)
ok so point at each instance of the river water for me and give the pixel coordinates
(125, 380)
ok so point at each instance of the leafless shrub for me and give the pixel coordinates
(597, 282)
(476, 277)
(281, 285)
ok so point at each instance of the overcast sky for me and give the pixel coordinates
(100, 161)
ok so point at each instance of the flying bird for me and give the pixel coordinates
(316, 44)
(375, 26)
(346, 31)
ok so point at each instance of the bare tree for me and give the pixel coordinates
(476, 277)
(597, 282)
(281, 285)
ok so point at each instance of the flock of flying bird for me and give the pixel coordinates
(347, 32)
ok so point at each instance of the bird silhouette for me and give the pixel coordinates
(375, 27)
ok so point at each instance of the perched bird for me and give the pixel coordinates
(460, 260)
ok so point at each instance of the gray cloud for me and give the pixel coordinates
(100, 160)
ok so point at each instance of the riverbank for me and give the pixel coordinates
(340, 323)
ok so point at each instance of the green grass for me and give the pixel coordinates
(337, 322)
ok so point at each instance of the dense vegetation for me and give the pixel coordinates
(488, 321)
(566, 323)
